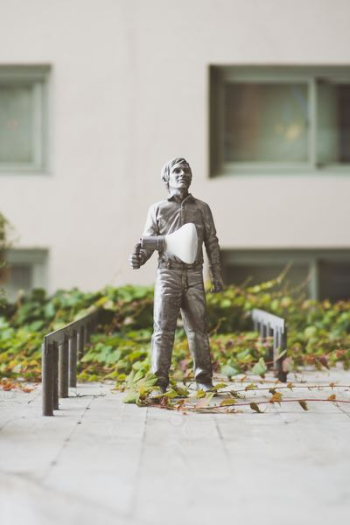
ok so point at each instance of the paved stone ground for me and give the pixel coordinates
(101, 461)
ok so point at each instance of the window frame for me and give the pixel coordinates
(220, 76)
(36, 258)
(38, 77)
(313, 258)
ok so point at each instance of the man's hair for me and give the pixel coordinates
(165, 174)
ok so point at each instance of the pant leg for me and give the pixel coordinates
(193, 311)
(167, 300)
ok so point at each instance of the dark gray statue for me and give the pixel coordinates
(179, 286)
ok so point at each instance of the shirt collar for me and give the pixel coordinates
(189, 197)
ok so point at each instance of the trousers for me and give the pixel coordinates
(180, 289)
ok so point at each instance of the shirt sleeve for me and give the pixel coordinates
(151, 228)
(212, 245)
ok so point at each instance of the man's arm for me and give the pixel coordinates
(213, 251)
(140, 256)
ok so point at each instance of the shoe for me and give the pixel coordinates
(206, 387)
(156, 394)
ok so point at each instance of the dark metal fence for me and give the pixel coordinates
(60, 353)
(62, 349)
(272, 328)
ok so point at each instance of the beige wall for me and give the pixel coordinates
(128, 90)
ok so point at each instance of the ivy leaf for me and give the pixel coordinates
(251, 386)
(200, 394)
(182, 392)
(131, 397)
(255, 407)
(276, 398)
(235, 394)
(324, 361)
(164, 402)
(171, 394)
(229, 371)
(218, 386)
(303, 404)
(290, 386)
(204, 402)
(260, 368)
(227, 402)
(17, 368)
(332, 397)
(245, 356)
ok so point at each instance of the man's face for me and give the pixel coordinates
(180, 177)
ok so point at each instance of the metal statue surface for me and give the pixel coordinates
(179, 286)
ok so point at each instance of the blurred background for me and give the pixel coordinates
(96, 95)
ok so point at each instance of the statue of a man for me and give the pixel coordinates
(179, 286)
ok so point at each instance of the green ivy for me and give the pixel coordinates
(318, 332)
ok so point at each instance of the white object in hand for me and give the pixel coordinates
(183, 243)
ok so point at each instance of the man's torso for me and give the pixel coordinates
(170, 215)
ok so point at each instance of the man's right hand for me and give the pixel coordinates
(135, 258)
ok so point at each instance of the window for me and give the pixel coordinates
(279, 119)
(25, 270)
(23, 118)
(320, 274)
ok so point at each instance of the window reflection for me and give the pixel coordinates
(266, 122)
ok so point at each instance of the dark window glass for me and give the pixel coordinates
(258, 273)
(334, 280)
(16, 124)
(266, 122)
(333, 123)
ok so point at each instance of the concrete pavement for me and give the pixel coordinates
(99, 460)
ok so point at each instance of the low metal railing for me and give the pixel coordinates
(62, 348)
(272, 327)
(60, 353)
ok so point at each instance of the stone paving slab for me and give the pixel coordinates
(99, 460)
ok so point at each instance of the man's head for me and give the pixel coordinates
(177, 173)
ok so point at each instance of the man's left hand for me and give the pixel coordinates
(217, 286)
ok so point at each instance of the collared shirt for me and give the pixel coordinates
(167, 216)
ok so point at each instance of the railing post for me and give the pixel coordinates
(280, 373)
(73, 357)
(269, 333)
(80, 342)
(47, 379)
(60, 352)
(261, 331)
(55, 376)
(86, 334)
(265, 323)
(275, 343)
(63, 369)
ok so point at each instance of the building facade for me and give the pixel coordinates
(95, 96)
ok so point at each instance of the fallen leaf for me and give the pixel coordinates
(26, 389)
(227, 402)
(131, 397)
(255, 407)
(218, 386)
(204, 402)
(303, 404)
(276, 398)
